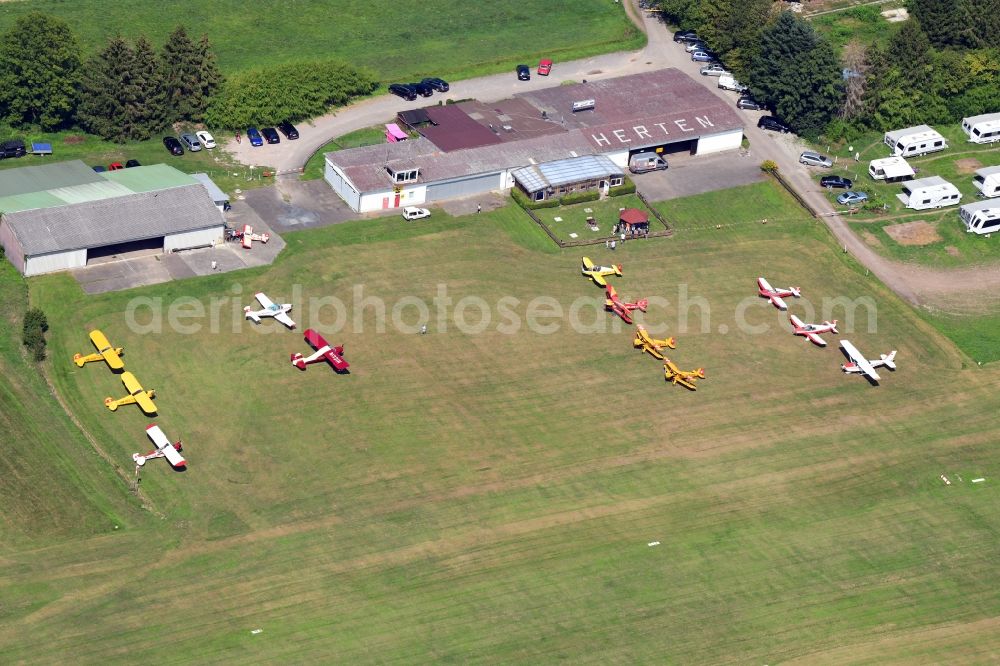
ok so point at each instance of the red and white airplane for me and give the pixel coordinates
(620, 307)
(775, 295)
(164, 449)
(247, 236)
(324, 352)
(270, 309)
(860, 364)
(812, 331)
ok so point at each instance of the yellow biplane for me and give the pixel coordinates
(136, 395)
(685, 378)
(105, 352)
(598, 273)
(650, 344)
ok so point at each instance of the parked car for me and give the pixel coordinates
(544, 67)
(523, 73)
(173, 145)
(115, 166)
(132, 163)
(685, 36)
(773, 124)
(836, 181)
(852, 198)
(748, 103)
(191, 142)
(714, 69)
(812, 158)
(12, 148)
(439, 85)
(270, 135)
(404, 91)
(727, 82)
(414, 213)
(703, 56)
(422, 89)
(253, 134)
(696, 45)
(207, 140)
(99, 168)
(288, 130)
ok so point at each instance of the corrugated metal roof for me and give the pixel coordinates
(218, 196)
(117, 220)
(149, 178)
(25, 180)
(563, 172)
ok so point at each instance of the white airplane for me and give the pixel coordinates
(271, 309)
(812, 331)
(765, 289)
(865, 366)
(164, 449)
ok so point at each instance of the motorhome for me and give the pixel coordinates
(890, 169)
(643, 162)
(918, 140)
(932, 192)
(982, 217)
(987, 181)
(982, 129)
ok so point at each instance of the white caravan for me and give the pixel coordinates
(987, 181)
(918, 140)
(982, 129)
(933, 192)
(982, 217)
(890, 169)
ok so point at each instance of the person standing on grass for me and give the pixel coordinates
(479, 208)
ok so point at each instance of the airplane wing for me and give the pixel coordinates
(336, 360)
(132, 384)
(163, 444)
(588, 265)
(285, 319)
(779, 303)
(859, 360)
(315, 339)
(816, 340)
(796, 322)
(764, 284)
(135, 389)
(599, 279)
(264, 301)
(107, 351)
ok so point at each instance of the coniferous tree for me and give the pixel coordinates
(180, 73)
(39, 69)
(107, 92)
(150, 112)
(209, 79)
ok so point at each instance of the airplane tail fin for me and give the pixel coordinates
(890, 360)
(250, 315)
(297, 361)
(642, 303)
(833, 326)
(796, 291)
(700, 372)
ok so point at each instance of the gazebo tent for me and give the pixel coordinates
(633, 222)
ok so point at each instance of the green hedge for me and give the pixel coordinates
(579, 197)
(627, 187)
(523, 201)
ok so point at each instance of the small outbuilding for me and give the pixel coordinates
(632, 222)
(555, 179)
(220, 198)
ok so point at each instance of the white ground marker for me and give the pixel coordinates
(653, 543)
(979, 480)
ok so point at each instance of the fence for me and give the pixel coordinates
(597, 241)
(791, 190)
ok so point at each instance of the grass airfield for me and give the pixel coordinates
(491, 497)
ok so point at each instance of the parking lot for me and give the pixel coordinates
(694, 174)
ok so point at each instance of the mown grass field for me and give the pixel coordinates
(490, 497)
(393, 40)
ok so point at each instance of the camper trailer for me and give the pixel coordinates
(982, 217)
(643, 162)
(890, 169)
(987, 181)
(933, 192)
(982, 129)
(918, 140)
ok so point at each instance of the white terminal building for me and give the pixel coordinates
(473, 147)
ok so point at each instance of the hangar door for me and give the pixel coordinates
(462, 188)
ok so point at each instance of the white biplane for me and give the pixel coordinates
(270, 309)
(860, 364)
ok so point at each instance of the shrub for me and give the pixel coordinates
(579, 197)
(523, 201)
(627, 187)
(769, 166)
(290, 91)
(33, 335)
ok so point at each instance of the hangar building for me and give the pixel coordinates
(472, 148)
(59, 216)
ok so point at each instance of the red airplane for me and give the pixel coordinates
(812, 331)
(620, 307)
(324, 352)
(775, 295)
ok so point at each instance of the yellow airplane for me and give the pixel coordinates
(105, 352)
(136, 395)
(650, 344)
(598, 273)
(685, 378)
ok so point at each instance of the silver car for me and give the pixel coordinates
(812, 158)
(715, 69)
(191, 142)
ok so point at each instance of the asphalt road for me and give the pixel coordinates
(917, 284)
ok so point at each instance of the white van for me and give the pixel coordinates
(932, 192)
(890, 169)
(728, 82)
(982, 129)
(982, 217)
(918, 140)
(643, 162)
(987, 181)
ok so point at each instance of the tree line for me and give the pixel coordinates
(940, 65)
